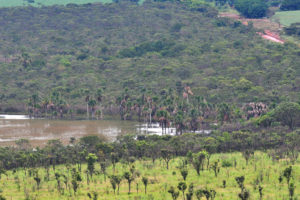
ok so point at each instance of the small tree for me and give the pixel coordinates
(93, 195)
(129, 177)
(199, 194)
(209, 194)
(287, 173)
(184, 173)
(91, 159)
(75, 185)
(114, 159)
(240, 181)
(224, 183)
(38, 181)
(182, 187)
(244, 195)
(166, 156)
(76, 178)
(173, 193)
(216, 168)
(247, 155)
(260, 189)
(190, 193)
(145, 182)
(113, 183)
(198, 161)
(291, 190)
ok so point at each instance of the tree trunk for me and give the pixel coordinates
(87, 111)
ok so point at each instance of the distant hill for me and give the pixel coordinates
(154, 46)
(11, 3)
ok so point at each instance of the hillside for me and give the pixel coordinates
(11, 3)
(153, 46)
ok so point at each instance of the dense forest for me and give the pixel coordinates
(152, 47)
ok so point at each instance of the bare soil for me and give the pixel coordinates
(269, 30)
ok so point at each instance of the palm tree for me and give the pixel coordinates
(163, 116)
(87, 99)
(224, 112)
(187, 91)
(179, 122)
(149, 101)
(45, 104)
(99, 97)
(92, 104)
(33, 104)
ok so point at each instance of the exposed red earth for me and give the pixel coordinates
(271, 29)
(268, 35)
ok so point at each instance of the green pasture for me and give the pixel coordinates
(260, 171)
(286, 18)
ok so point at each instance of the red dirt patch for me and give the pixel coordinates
(270, 29)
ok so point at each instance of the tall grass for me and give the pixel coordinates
(260, 168)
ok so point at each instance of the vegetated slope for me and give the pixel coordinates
(153, 46)
(10, 3)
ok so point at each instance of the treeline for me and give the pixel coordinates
(178, 108)
(259, 8)
(128, 148)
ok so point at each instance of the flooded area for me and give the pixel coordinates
(39, 131)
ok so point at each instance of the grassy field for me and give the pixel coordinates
(260, 169)
(286, 18)
(10, 3)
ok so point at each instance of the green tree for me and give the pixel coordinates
(173, 193)
(129, 177)
(190, 193)
(145, 182)
(166, 154)
(184, 172)
(99, 96)
(91, 159)
(182, 187)
(113, 183)
(252, 8)
(287, 173)
(115, 180)
(198, 161)
(288, 113)
(224, 112)
(290, 5)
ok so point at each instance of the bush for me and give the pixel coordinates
(226, 163)
(265, 120)
(294, 29)
(252, 8)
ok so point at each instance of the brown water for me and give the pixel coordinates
(39, 131)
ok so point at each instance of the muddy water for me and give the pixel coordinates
(39, 131)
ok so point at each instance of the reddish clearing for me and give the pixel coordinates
(270, 29)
